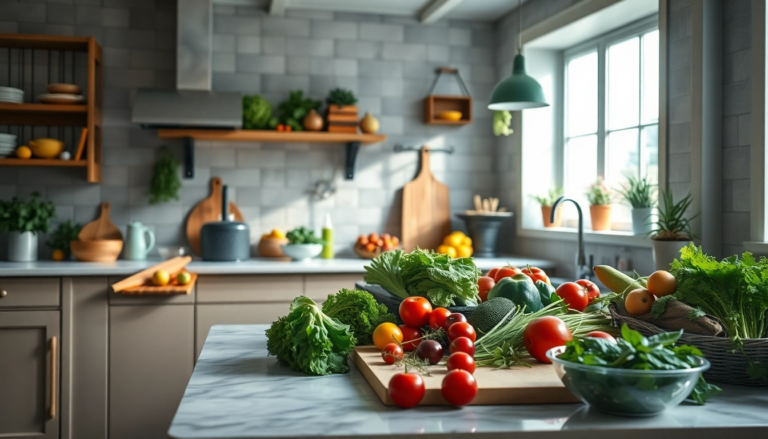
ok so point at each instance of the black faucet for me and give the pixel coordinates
(583, 270)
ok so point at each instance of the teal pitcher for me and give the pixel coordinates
(139, 242)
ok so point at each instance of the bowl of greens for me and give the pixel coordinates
(636, 376)
(302, 244)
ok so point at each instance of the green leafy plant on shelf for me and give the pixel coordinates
(291, 112)
(501, 121)
(549, 199)
(61, 237)
(341, 97)
(26, 216)
(638, 192)
(598, 193)
(165, 183)
(673, 224)
(257, 114)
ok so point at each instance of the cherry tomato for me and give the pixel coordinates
(536, 274)
(461, 360)
(574, 295)
(408, 335)
(492, 272)
(453, 318)
(385, 334)
(430, 350)
(601, 334)
(462, 344)
(593, 291)
(459, 387)
(506, 272)
(544, 334)
(462, 329)
(414, 311)
(484, 285)
(406, 389)
(437, 317)
(391, 353)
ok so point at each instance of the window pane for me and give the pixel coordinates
(650, 88)
(580, 166)
(581, 95)
(650, 144)
(621, 156)
(624, 84)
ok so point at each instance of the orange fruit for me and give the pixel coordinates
(662, 283)
(384, 334)
(23, 152)
(639, 301)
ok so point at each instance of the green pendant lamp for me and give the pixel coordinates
(519, 91)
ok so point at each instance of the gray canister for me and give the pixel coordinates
(225, 240)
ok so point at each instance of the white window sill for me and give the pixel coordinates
(611, 237)
(756, 247)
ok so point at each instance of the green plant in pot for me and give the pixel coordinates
(639, 194)
(165, 183)
(600, 199)
(60, 239)
(546, 202)
(24, 221)
(672, 230)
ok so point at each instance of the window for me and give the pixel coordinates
(611, 112)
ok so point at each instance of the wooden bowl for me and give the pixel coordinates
(64, 89)
(103, 250)
(363, 253)
(270, 247)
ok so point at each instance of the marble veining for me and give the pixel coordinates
(236, 391)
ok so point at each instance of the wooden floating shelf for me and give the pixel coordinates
(44, 162)
(42, 108)
(270, 136)
(44, 114)
(80, 44)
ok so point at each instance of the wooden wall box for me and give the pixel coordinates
(436, 104)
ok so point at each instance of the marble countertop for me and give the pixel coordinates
(236, 391)
(252, 266)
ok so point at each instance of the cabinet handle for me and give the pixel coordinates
(52, 414)
(3, 293)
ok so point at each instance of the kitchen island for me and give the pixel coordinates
(236, 391)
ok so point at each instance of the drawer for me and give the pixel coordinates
(127, 299)
(249, 288)
(25, 292)
(318, 286)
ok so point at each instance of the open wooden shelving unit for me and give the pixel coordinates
(88, 115)
(351, 140)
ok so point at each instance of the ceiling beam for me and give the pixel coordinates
(277, 7)
(435, 10)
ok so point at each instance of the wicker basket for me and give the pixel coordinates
(392, 302)
(726, 366)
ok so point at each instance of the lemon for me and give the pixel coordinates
(447, 250)
(467, 241)
(183, 278)
(161, 278)
(277, 233)
(455, 239)
(57, 255)
(463, 251)
(23, 152)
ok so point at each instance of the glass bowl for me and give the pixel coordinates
(627, 392)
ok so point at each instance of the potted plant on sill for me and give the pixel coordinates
(638, 193)
(546, 202)
(24, 221)
(599, 197)
(672, 230)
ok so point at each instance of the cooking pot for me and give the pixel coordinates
(225, 240)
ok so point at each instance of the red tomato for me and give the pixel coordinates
(593, 291)
(406, 389)
(453, 318)
(461, 360)
(391, 353)
(536, 274)
(414, 311)
(459, 387)
(408, 335)
(601, 334)
(506, 272)
(492, 272)
(462, 329)
(544, 334)
(462, 344)
(484, 285)
(574, 295)
(437, 317)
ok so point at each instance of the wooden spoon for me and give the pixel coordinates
(101, 228)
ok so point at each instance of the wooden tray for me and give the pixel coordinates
(537, 384)
(142, 278)
(164, 290)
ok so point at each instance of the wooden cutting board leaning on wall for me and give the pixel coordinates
(207, 211)
(426, 213)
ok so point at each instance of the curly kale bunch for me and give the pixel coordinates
(359, 310)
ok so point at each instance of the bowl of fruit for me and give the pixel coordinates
(270, 244)
(371, 246)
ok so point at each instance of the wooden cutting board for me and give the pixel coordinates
(426, 209)
(171, 288)
(206, 211)
(538, 384)
(142, 278)
(101, 228)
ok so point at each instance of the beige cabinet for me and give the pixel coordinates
(29, 371)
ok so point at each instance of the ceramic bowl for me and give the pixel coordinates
(450, 115)
(301, 252)
(271, 247)
(102, 250)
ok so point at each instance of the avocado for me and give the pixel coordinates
(488, 314)
(519, 289)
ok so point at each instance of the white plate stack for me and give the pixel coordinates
(11, 95)
(7, 144)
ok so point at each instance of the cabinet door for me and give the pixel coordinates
(234, 314)
(151, 355)
(29, 368)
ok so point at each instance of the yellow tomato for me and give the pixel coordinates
(161, 278)
(57, 255)
(467, 241)
(23, 152)
(463, 251)
(385, 334)
(447, 250)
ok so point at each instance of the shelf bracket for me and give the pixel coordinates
(189, 157)
(352, 149)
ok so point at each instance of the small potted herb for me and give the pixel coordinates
(24, 221)
(599, 197)
(546, 202)
(638, 193)
(672, 231)
(60, 239)
(342, 112)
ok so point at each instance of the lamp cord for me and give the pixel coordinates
(519, 26)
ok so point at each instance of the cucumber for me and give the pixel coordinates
(617, 281)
